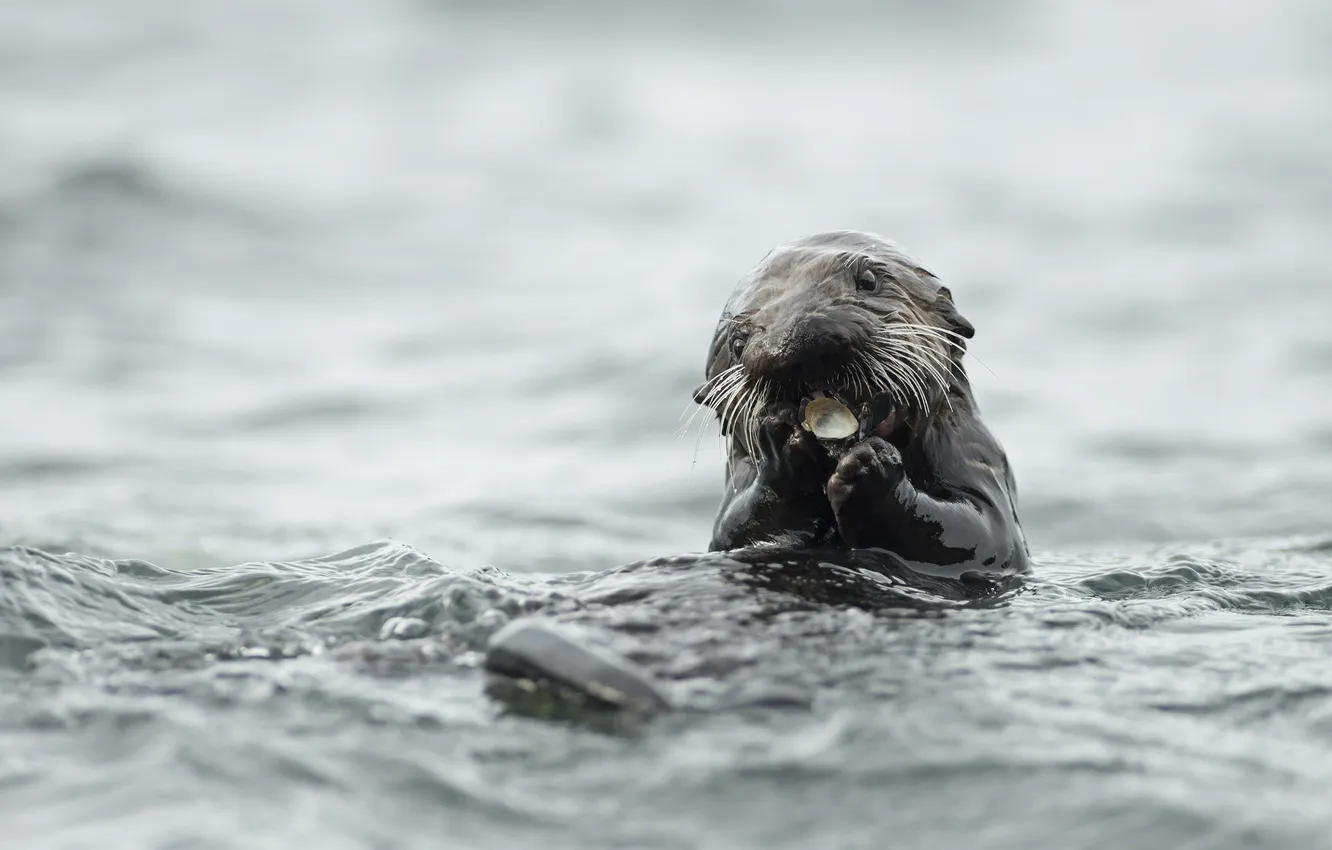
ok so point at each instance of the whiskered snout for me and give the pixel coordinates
(815, 350)
(844, 314)
(914, 364)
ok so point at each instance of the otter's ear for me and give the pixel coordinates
(958, 324)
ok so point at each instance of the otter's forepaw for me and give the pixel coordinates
(867, 474)
(787, 452)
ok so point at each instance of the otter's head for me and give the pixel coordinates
(846, 314)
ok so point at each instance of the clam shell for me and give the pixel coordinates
(829, 419)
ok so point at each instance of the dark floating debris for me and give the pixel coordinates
(534, 652)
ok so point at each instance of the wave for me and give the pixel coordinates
(697, 619)
(380, 589)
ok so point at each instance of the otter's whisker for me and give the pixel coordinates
(889, 350)
(926, 359)
(921, 332)
(732, 383)
(723, 401)
(722, 385)
(698, 443)
(753, 401)
(761, 398)
(737, 416)
(725, 383)
(714, 386)
(946, 363)
(889, 373)
(699, 408)
(952, 338)
(860, 383)
(901, 383)
(957, 340)
(929, 374)
(727, 407)
(733, 410)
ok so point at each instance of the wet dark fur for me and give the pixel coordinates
(937, 491)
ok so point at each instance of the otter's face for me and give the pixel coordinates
(847, 315)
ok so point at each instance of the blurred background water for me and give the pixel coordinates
(281, 278)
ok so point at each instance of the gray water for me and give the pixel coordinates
(428, 284)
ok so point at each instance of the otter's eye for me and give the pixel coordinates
(866, 281)
(738, 344)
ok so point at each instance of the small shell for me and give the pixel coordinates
(829, 419)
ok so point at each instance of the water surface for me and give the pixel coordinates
(281, 280)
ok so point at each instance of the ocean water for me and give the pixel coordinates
(336, 335)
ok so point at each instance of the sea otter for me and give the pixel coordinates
(919, 498)
(852, 316)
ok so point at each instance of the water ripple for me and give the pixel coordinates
(314, 673)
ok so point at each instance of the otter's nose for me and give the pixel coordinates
(811, 350)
